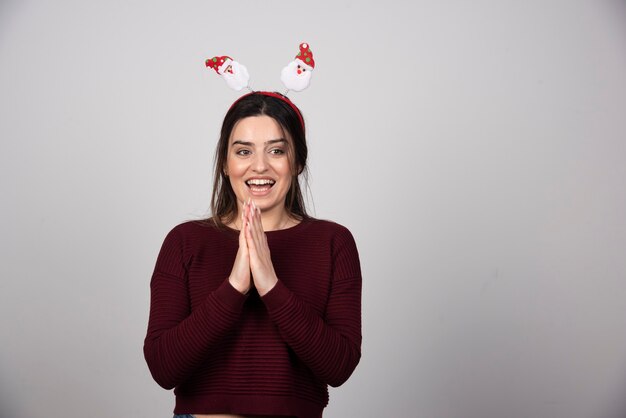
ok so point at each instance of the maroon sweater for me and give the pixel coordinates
(225, 352)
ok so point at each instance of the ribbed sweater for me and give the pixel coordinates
(225, 352)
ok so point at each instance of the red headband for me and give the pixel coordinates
(278, 96)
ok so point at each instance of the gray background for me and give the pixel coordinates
(475, 149)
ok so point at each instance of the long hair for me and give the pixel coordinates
(223, 199)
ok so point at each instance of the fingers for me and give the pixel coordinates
(257, 243)
(240, 274)
(256, 223)
(242, 232)
(249, 234)
(261, 266)
(256, 226)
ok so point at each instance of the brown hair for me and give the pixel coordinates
(223, 199)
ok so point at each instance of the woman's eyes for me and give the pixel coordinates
(274, 151)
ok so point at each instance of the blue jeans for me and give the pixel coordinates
(183, 416)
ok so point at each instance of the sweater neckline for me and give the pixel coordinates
(278, 232)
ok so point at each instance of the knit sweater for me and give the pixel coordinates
(225, 352)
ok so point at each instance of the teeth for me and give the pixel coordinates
(260, 182)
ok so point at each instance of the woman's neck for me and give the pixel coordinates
(276, 219)
(272, 219)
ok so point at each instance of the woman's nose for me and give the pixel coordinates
(259, 164)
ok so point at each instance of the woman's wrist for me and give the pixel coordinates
(262, 291)
(239, 287)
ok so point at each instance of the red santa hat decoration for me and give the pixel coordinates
(305, 57)
(235, 74)
(295, 76)
(219, 64)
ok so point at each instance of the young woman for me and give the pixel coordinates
(256, 310)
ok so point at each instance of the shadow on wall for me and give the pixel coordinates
(616, 406)
(6, 410)
(8, 9)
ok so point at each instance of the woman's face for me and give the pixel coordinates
(257, 163)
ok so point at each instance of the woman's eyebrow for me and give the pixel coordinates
(274, 141)
(249, 144)
(242, 143)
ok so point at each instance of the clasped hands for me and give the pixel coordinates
(253, 263)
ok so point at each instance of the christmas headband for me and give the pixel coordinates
(276, 95)
(295, 76)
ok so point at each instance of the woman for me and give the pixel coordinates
(257, 309)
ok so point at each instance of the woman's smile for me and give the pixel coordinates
(260, 186)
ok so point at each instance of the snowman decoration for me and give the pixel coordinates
(235, 74)
(296, 75)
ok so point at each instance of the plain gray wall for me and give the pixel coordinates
(476, 150)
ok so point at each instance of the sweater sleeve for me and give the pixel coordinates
(329, 346)
(177, 339)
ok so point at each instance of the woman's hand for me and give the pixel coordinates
(261, 265)
(240, 275)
